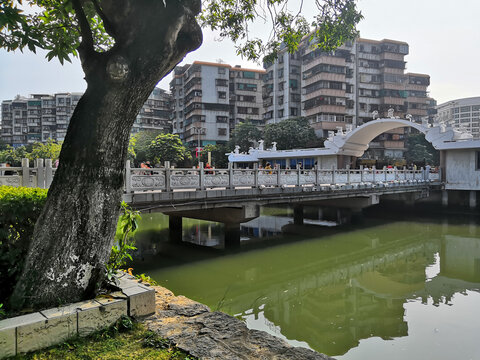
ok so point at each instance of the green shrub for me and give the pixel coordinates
(124, 240)
(19, 210)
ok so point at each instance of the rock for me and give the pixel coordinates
(193, 328)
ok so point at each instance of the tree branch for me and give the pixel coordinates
(87, 38)
(109, 28)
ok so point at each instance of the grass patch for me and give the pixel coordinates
(122, 341)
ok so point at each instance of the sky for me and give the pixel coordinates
(444, 40)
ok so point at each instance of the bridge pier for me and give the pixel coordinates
(232, 235)
(298, 214)
(444, 198)
(472, 199)
(175, 228)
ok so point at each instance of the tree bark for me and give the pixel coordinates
(74, 234)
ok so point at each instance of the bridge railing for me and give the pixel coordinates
(40, 175)
(171, 179)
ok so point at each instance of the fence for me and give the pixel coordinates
(170, 179)
(40, 175)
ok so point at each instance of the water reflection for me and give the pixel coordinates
(335, 289)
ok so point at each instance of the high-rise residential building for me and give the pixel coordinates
(155, 113)
(41, 116)
(210, 98)
(37, 118)
(345, 87)
(461, 113)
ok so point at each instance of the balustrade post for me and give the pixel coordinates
(385, 173)
(48, 173)
(333, 175)
(361, 173)
(427, 173)
(202, 176)
(128, 177)
(255, 175)
(317, 176)
(278, 174)
(395, 173)
(298, 174)
(40, 174)
(230, 176)
(404, 173)
(422, 172)
(348, 174)
(25, 173)
(374, 173)
(168, 184)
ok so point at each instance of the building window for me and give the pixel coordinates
(221, 82)
(280, 113)
(222, 132)
(222, 95)
(293, 111)
(248, 75)
(222, 119)
(221, 70)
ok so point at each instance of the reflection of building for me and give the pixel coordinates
(464, 113)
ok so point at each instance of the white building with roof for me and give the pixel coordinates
(461, 113)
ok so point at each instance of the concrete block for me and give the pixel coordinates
(141, 299)
(125, 281)
(35, 332)
(96, 315)
(8, 346)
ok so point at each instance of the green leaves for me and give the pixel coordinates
(245, 135)
(334, 24)
(166, 147)
(124, 240)
(290, 134)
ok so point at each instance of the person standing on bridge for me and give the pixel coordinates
(269, 167)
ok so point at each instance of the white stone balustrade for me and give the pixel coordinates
(175, 179)
(170, 179)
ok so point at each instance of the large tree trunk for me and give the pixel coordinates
(74, 234)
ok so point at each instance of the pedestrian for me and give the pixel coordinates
(268, 167)
(207, 166)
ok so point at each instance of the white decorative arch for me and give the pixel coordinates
(355, 142)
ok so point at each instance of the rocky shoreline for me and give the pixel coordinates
(193, 328)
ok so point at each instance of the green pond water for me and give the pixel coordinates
(396, 287)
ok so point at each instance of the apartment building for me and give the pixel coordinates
(209, 99)
(37, 118)
(155, 113)
(345, 87)
(42, 116)
(461, 113)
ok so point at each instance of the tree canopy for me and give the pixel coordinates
(61, 27)
(166, 147)
(420, 150)
(245, 135)
(291, 133)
